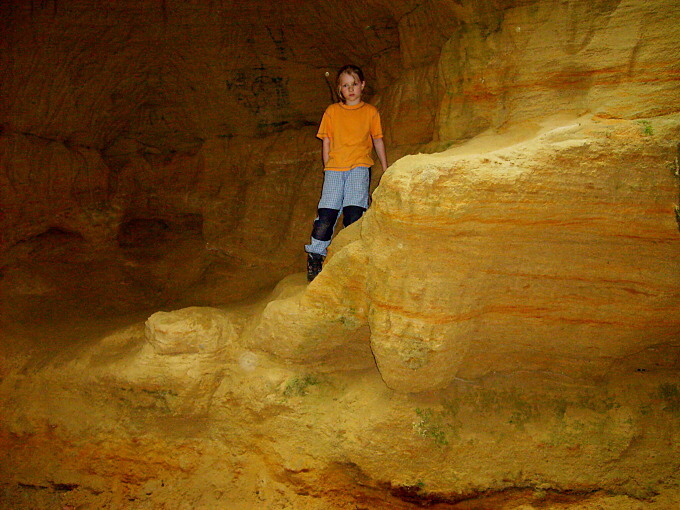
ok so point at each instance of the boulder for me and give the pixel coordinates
(188, 331)
(558, 254)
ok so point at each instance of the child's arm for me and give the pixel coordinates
(379, 145)
(325, 150)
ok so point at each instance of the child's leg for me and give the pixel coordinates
(322, 233)
(356, 196)
(328, 212)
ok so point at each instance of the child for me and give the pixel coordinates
(349, 131)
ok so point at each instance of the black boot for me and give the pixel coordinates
(314, 265)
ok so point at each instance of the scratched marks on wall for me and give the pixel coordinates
(264, 94)
(580, 28)
(257, 89)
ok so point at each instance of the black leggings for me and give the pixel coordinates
(325, 223)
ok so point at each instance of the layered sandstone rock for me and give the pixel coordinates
(234, 426)
(616, 57)
(558, 254)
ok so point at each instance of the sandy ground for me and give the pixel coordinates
(278, 437)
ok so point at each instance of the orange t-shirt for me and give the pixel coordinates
(351, 130)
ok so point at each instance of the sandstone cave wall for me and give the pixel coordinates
(122, 120)
(547, 243)
(132, 125)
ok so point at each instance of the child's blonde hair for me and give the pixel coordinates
(352, 70)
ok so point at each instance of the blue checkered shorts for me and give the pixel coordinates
(341, 189)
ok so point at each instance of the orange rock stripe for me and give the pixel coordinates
(535, 312)
(617, 282)
(662, 72)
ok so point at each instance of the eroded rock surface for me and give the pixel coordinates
(559, 254)
(238, 427)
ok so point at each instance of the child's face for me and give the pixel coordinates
(350, 88)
